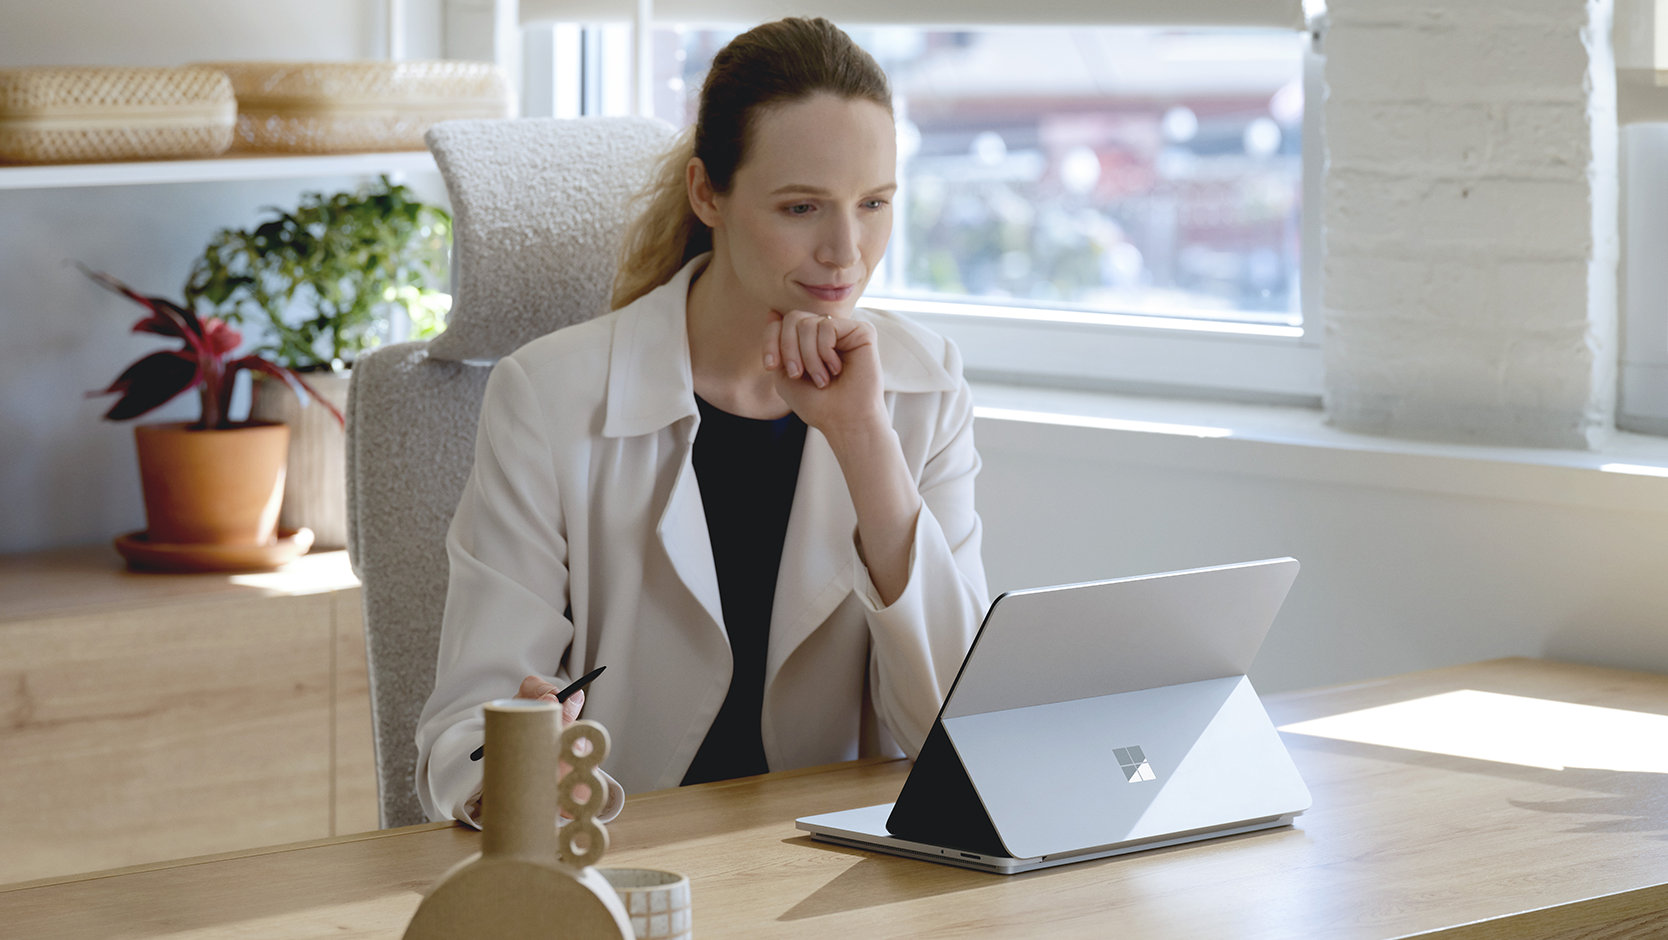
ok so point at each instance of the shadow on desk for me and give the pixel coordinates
(878, 880)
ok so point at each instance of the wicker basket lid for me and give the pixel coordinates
(258, 82)
(37, 89)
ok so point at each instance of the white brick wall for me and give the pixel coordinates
(1470, 220)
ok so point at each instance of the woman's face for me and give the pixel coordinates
(809, 210)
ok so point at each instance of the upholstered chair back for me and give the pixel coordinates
(539, 209)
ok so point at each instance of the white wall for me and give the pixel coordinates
(1471, 219)
(72, 475)
(1410, 560)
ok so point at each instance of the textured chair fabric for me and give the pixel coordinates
(411, 442)
(540, 207)
(537, 208)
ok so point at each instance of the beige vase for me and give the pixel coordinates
(211, 486)
(315, 486)
(520, 885)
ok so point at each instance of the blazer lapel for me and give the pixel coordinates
(682, 530)
(651, 395)
(817, 554)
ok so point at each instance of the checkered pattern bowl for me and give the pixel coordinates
(657, 901)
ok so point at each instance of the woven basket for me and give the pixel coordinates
(340, 107)
(51, 114)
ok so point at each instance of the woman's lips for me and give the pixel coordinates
(829, 291)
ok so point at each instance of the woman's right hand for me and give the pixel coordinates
(537, 689)
(827, 369)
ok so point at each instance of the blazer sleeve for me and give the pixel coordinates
(919, 640)
(505, 598)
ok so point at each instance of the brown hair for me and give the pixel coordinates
(772, 64)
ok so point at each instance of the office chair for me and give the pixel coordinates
(539, 209)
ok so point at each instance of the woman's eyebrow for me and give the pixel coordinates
(802, 188)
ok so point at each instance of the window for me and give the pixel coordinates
(1643, 404)
(1115, 206)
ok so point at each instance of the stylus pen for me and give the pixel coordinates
(561, 696)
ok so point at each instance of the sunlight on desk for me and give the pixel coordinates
(310, 574)
(1637, 469)
(1508, 729)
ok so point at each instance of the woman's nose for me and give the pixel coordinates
(839, 244)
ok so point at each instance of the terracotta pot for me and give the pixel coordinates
(315, 484)
(219, 486)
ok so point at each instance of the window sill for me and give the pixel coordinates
(1630, 473)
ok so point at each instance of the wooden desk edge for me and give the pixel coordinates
(1641, 912)
(650, 796)
(223, 856)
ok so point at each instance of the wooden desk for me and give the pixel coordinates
(1399, 841)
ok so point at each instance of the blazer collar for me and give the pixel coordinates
(650, 382)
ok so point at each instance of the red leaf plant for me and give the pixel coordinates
(203, 363)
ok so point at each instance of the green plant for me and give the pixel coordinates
(203, 362)
(322, 280)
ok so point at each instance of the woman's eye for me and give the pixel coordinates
(874, 203)
(801, 208)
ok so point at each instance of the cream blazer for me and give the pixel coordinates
(580, 540)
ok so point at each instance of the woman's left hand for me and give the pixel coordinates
(827, 369)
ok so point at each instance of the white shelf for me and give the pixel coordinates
(213, 169)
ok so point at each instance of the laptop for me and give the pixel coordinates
(1096, 719)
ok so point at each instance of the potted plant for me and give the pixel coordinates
(211, 487)
(323, 283)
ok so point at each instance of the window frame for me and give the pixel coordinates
(1156, 354)
(1642, 380)
(1125, 352)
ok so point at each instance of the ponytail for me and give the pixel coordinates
(665, 233)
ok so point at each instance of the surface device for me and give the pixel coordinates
(1096, 719)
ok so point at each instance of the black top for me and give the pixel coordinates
(747, 470)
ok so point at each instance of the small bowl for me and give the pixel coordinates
(657, 901)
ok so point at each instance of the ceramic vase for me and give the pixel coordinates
(315, 483)
(520, 885)
(220, 486)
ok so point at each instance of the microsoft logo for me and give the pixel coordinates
(1134, 763)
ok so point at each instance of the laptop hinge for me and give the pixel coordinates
(938, 804)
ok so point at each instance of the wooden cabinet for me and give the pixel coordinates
(154, 716)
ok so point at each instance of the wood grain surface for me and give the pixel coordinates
(158, 716)
(1401, 841)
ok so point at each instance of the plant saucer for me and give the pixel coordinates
(142, 554)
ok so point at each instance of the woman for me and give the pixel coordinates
(750, 500)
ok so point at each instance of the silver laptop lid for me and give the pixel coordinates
(1120, 635)
(1095, 714)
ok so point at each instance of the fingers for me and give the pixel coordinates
(535, 688)
(807, 345)
(773, 343)
(821, 352)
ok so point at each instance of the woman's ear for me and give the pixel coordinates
(702, 199)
